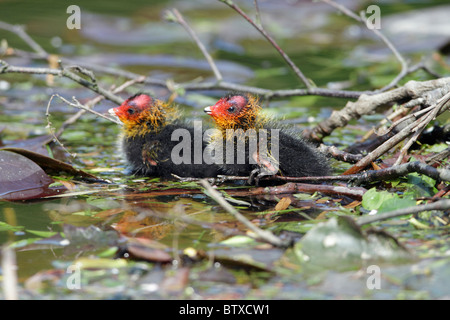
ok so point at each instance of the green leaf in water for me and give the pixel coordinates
(341, 245)
(384, 201)
(421, 185)
(7, 227)
(373, 199)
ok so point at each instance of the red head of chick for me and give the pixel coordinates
(146, 139)
(268, 148)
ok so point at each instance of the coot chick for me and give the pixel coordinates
(267, 147)
(151, 141)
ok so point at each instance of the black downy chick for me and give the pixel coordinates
(149, 125)
(275, 149)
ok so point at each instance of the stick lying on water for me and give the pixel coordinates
(368, 176)
(261, 234)
(438, 205)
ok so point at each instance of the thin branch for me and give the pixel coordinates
(179, 19)
(257, 13)
(6, 68)
(444, 154)
(223, 85)
(367, 104)
(438, 205)
(78, 105)
(290, 187)
(261, 234)
(75, 104)
(407, 118)
(93, 102)
(18, 30)
(261, 30)
(400, 136)
(366, 177)
(267, 93)
(339, 154)
(422, 66)
(52, 129)
(398, 56)
(421, 126)
(438, 174)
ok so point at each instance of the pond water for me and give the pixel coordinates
(328, 47)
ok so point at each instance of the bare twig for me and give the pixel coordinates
(339, 154)
(421, 126)
(260, 234)
(439, 174)
(78, 105)
(177, 17)
(261, 30)
(18, 30)
(439, 108)
(407, 118)
(289, 188)
(93, 102)
(398, 56)
(367, 104)
(222, 85)
(444, 154)
(366, 177)
(257, 13)
(52, 129)
(75, 104)
(438, 205)
(422, 66)
(6, 68)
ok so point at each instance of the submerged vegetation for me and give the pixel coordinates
(78, 225)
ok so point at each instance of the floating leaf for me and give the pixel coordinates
(248, 258)
(7, 227)
(50, 165)
(340, 244)
(283, 204)
(37, 144)
(373, 199)
(384, 201)
(22, 179)
(421, 185)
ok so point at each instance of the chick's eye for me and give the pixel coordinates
(231, 109)
(130, 111)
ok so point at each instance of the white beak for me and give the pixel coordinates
(111, 112)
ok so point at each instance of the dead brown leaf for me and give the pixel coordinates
(283, 204)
